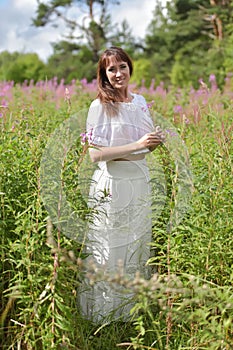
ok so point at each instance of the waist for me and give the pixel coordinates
(123, 170)
(131, 157)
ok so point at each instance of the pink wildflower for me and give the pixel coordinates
(67, 98)
(178, 109)
(213, 82)
(171, 132)
(150, 104)
(86, 137)
(212, 78)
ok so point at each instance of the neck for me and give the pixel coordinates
(126, 96)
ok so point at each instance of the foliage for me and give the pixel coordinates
(188, 302)
(122, 36)
(189, 40)
(20, 66)
(93, 28)
(70, 61)
(142, 72)
(186, 40)
(228, 59)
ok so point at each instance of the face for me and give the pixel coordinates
(118, 73)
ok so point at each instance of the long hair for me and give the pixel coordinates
(106, 93)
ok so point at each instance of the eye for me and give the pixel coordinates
(123, 66)
(111, 69)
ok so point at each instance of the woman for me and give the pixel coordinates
(122, 132)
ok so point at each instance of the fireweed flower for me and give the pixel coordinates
(212, 78)
(4, 104)
(67, 98)
(178, 109)
(86, 137)
(83, 138)
(213, 82)
(67, 94)
(203, 85)
(185, 119)
(149, 106)
(171, 132)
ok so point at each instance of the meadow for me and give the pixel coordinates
(188, 303)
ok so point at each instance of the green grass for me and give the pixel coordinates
(189, 305)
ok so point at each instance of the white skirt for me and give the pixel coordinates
(120, 233)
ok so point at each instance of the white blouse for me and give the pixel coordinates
(131, 122)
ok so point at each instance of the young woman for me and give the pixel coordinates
(122, 132)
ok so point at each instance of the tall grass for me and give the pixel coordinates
(188, 304)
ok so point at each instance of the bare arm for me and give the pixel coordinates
(98, 154)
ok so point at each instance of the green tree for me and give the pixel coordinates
(6, 61)
(21, 66)
(70, 61)
(158, 46)
(228, 58)
(173, 36)
(142, 72)
(122, 36)
(91, 29)
(76, 56)
(187, 41)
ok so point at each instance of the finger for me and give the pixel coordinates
(158, 128)
(154, 141)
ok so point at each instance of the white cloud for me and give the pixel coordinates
(26, 4)
(138, 14)
(21, 35)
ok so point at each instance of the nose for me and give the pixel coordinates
(118, 73)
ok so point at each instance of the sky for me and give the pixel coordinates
(18, 34)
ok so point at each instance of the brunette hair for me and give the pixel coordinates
(106, 93)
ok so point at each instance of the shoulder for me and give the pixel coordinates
(96, 107)
(138, 99)
(96, 113)
(95, 103)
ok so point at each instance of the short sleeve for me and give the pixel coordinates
(98, 125)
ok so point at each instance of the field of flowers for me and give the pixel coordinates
(188, 304)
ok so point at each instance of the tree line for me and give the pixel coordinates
(185, 40)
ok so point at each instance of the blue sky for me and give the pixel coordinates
(17, 33)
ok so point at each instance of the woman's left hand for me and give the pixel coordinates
(160, 134)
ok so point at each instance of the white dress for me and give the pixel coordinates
(120, 191)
